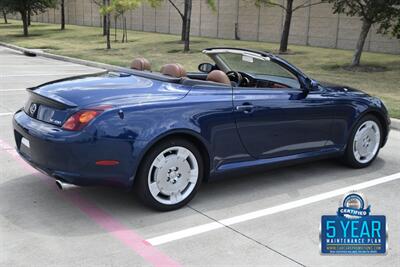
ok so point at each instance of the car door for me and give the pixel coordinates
(275, 122)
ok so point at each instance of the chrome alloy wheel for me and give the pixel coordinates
(173, 175)
(366, 141)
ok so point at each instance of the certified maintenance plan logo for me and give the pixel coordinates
(353, 230)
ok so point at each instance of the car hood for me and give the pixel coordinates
(110, 90)
(342, 88)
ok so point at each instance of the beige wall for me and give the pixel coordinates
(314, 26)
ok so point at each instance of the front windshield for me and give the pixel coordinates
(253, 65)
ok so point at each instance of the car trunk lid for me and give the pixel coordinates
(54, 102)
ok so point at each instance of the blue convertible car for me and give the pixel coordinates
(163, 133)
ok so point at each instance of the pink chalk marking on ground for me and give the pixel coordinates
(128, 237)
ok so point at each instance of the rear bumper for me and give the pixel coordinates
(71, 156)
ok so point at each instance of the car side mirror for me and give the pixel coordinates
(310, 84)
(206, 67)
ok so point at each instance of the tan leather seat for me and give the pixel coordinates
(141, 64)
(218, 76)
(173, 70)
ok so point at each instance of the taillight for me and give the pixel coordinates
(81, 118)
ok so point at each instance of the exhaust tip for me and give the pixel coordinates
(65, 186)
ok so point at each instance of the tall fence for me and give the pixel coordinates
(313, 26)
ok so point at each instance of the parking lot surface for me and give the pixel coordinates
(265, 218)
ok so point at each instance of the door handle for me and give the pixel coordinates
(246, 108)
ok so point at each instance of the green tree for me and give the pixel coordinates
(289, 9)
(4, 15)
(186, 15)
(385, 14)
(4, 10)
(28, 7)
(105, 10)
(120, 7)
(116, 8)
(62, 7)
(101, 3)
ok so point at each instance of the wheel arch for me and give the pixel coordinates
(382, 120)
(188, 135)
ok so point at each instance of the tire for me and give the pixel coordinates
(170, 175)
(366, 141)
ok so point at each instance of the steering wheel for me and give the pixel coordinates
(235, 76)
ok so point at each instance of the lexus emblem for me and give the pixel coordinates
(32, 109)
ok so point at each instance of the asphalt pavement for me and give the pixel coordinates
(267, 218)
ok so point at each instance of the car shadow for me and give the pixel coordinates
(37, 206)
(293, 182)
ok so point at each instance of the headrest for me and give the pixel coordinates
(218, 76)
(174, 70)
(141, 64)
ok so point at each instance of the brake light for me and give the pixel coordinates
(81, 118)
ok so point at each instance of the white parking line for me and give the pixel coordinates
(6, 114)
(192, 231)
(11, 90)
(40, 65)
(65, 73)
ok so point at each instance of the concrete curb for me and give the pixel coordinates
(105, 67)
(395, 125)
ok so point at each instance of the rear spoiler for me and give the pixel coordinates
(63, 80)
(56, 102)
